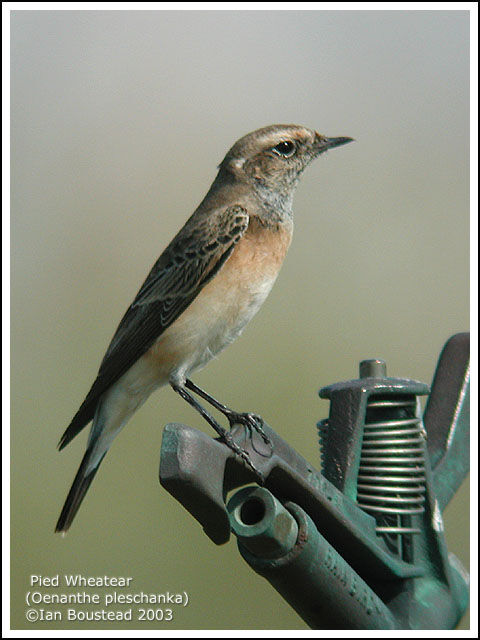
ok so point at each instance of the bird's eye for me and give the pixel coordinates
(286, 149)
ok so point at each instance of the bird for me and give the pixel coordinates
(200, 294)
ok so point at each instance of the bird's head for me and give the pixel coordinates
(274, 157)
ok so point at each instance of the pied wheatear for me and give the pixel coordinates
(202, 291)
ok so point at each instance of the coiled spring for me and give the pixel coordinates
(391, 480)
(322, 427)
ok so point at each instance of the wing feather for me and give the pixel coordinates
(193, 257)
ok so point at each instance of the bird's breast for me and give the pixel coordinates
(227, 303)
(247, 277)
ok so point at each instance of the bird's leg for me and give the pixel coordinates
(225, 435)
(249, 420)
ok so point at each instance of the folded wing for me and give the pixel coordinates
(193, 258)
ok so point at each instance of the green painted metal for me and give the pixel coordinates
(361, 544)
(305, 566)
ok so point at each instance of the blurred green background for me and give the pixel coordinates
(119, 119)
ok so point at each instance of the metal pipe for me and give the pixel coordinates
(282, 544)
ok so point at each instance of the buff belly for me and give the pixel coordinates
(225, 305)
(213, 320)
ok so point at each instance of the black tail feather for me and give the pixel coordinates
(80, 420)
(77, 492)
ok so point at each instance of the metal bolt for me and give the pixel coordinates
(373, 369)
(261, 523)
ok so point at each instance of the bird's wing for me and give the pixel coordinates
(193, 258)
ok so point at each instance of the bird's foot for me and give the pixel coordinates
(241, 453)
(251, 421)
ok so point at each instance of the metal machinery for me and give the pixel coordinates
(359, 545)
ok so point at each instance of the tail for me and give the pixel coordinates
(83, 479)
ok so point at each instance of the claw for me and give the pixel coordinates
(244, 456)
(252, 421)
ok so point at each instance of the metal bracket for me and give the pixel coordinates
(200, 471)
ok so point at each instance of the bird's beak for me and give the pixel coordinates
(337, 142)
(323, 143)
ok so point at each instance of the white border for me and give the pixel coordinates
(7, 7)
